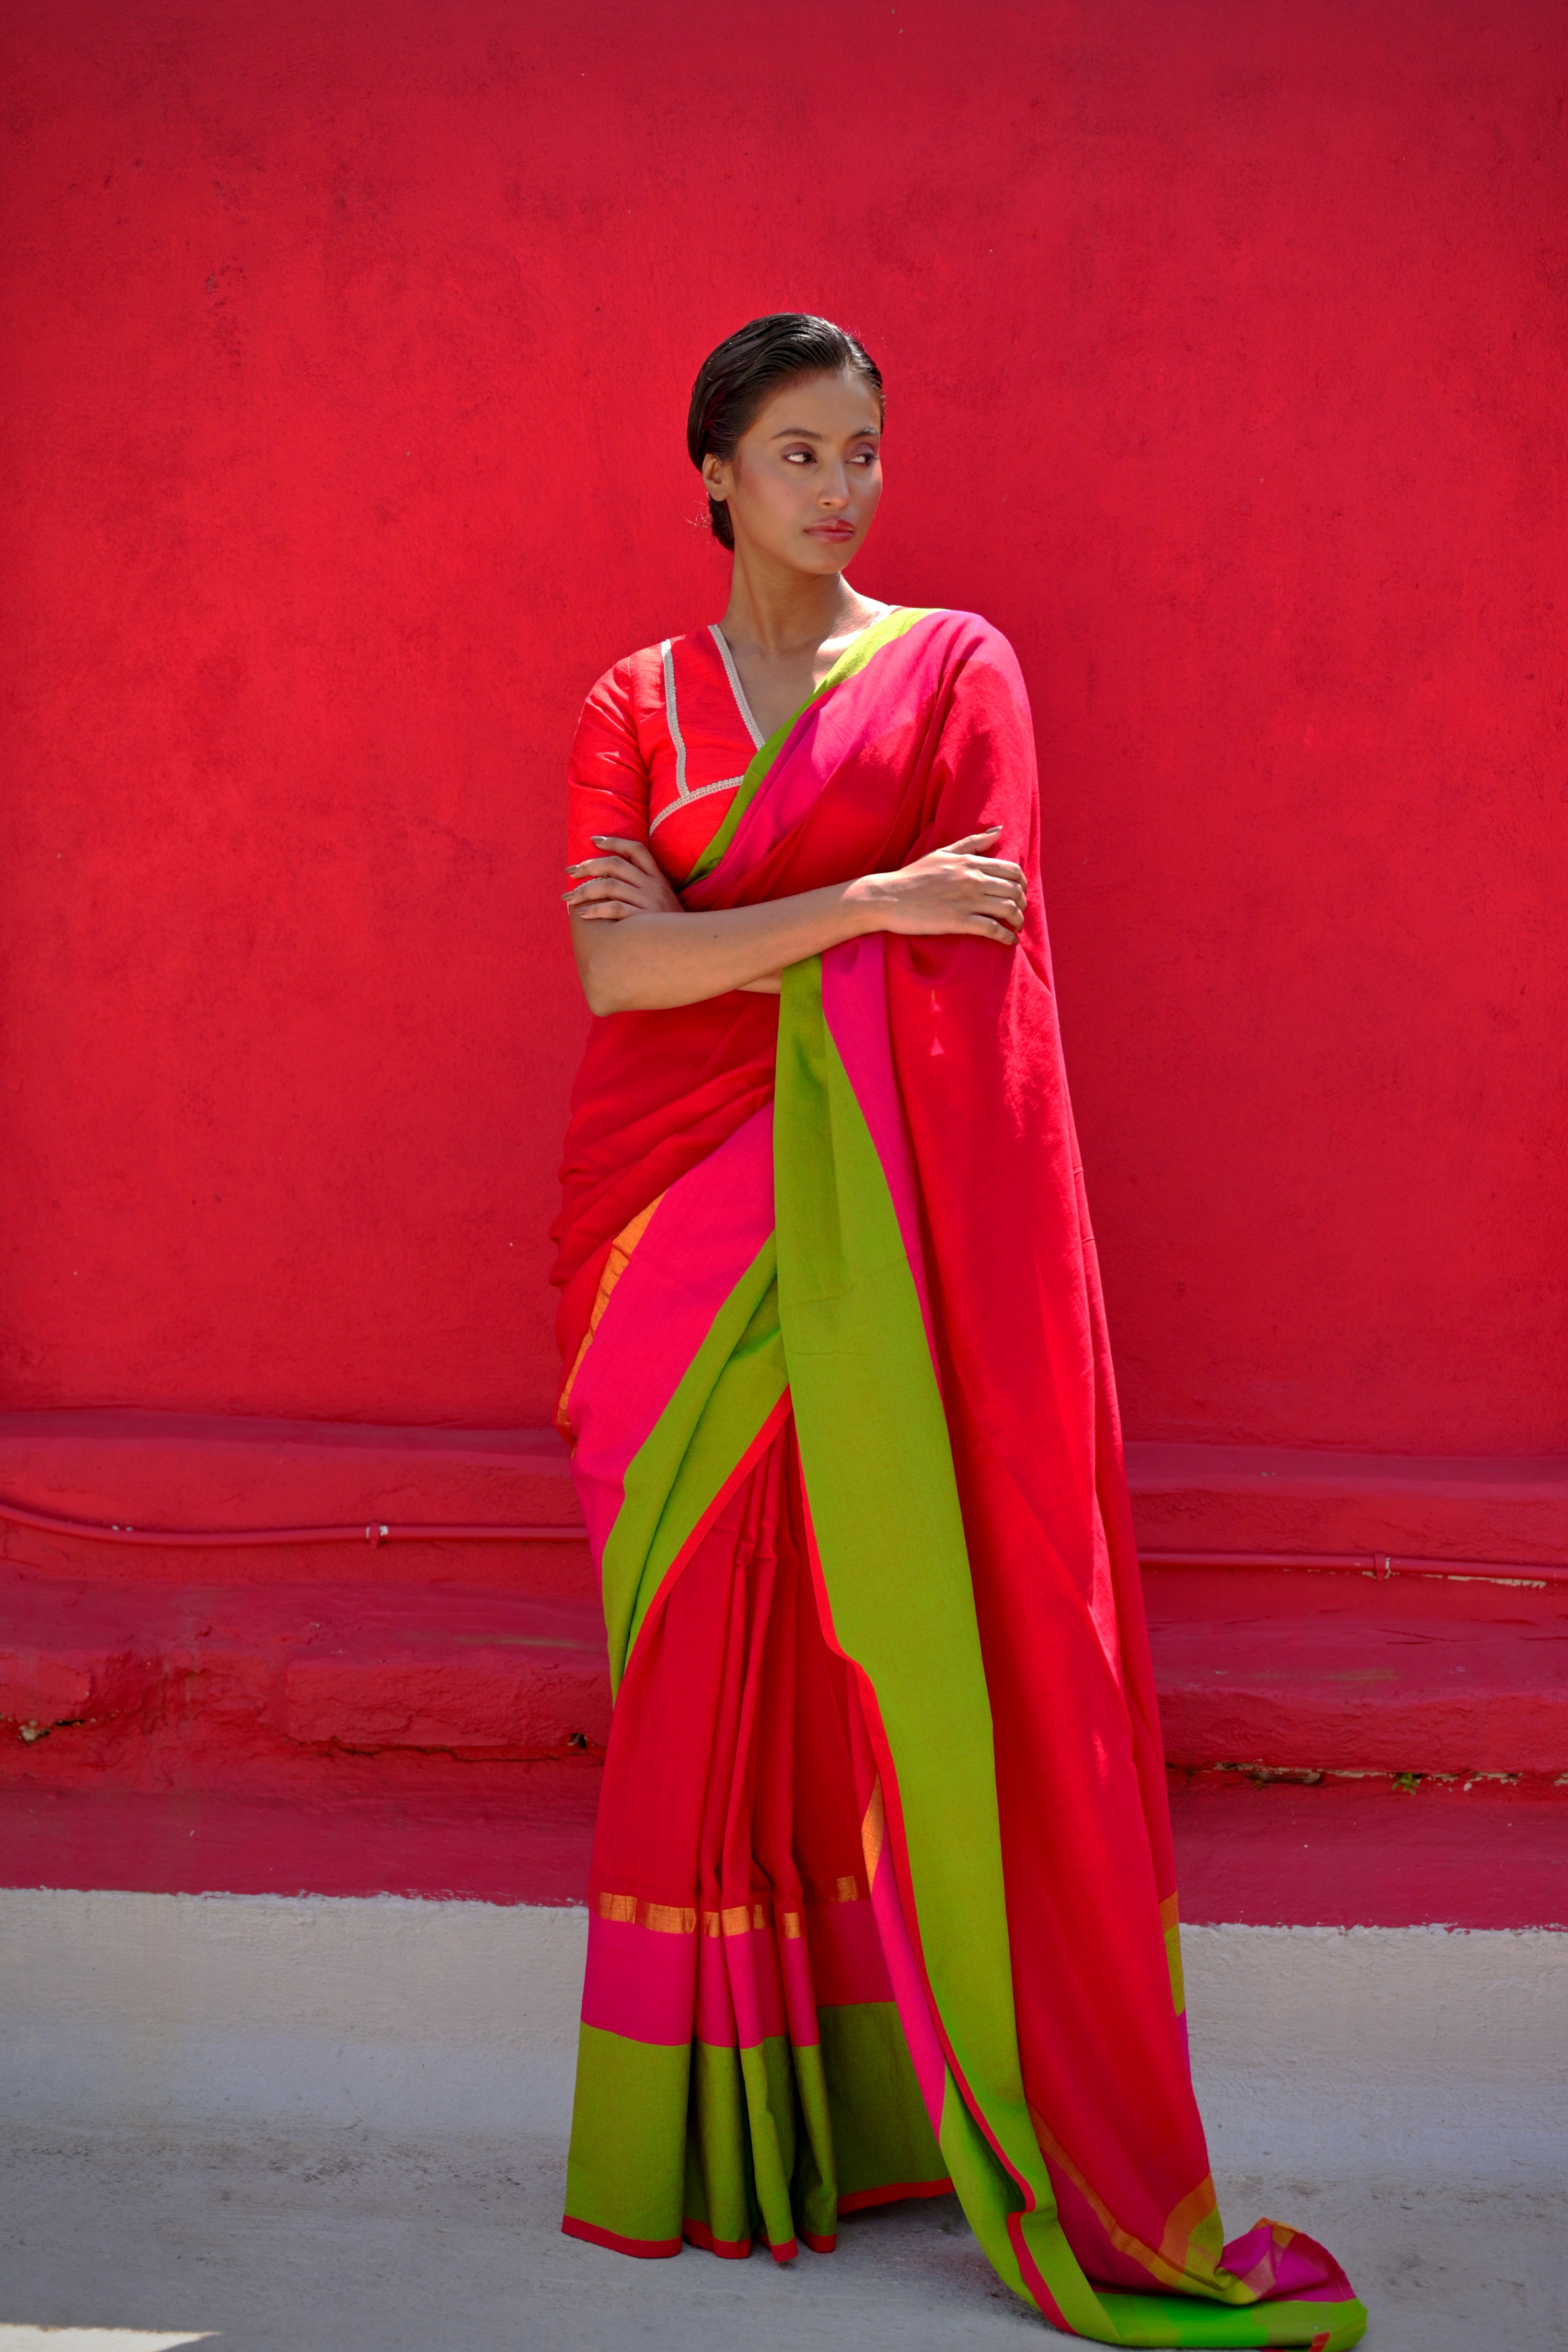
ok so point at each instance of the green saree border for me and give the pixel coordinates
(734, 1381)
(895, 1565)
(857, 1358)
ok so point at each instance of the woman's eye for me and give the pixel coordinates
(799, 456)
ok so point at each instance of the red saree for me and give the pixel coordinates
(883, 1899)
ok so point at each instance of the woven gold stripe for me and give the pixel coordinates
(833, 1890)
(663, 1918)
(685, 1919)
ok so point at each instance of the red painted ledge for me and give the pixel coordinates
(194, 1470)
(1263, 1499)
(243, 1475)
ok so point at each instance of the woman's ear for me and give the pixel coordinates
(718, 477)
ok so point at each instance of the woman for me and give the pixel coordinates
(882, 1900)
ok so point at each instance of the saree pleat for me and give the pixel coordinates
(883, 1896)
(740, 1852)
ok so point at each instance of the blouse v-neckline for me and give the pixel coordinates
(736, 688)
(733, 675)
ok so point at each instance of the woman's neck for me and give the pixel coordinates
(780, 614)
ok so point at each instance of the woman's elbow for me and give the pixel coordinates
(608, 991)
(616, 981)
(599, 983)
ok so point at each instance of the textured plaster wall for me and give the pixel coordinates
(348, 353)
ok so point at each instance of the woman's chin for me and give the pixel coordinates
(823, 556)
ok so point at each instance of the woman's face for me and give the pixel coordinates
(805, 481)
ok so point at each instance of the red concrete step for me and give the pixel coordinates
(1346, 1854)
(435, 1826)
(1304, 1673)
(235, 1668)
(1333, 1673)
(1371, 1851)
(523, 1679)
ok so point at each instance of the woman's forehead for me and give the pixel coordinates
(818, 407)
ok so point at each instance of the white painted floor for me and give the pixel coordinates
(340, 2128)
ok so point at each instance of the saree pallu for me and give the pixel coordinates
(883, 1896)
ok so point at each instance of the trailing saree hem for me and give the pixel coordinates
(645, 2249)
(864, 2201)
(849, 1452)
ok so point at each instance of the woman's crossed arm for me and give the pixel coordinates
(639, 949)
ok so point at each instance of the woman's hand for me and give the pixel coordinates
(626, 880)
(958, 888)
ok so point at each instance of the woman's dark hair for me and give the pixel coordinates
(748, 366)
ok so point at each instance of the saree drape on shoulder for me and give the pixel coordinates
(883, 1899)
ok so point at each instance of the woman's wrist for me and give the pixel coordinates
(862, 902)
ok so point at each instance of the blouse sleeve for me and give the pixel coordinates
(607, 778)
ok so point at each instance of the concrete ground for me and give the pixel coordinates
(176, 2164)
(356, 2240)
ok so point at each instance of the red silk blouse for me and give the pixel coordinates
(664, 739)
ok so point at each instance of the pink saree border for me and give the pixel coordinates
(823, 737)
(854, 1007)
(706, 1231)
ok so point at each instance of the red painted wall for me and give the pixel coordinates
(348, 353)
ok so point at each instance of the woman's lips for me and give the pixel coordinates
(831, 529)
